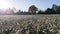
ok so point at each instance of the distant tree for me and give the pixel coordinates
(47, 11)
(50, 11)
(54, 6)
(18, 12)
(32, 9)
(54, 10)
(58, 10)
(41, 12)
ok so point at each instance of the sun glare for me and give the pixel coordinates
(4, 5)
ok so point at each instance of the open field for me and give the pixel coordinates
(16, 23)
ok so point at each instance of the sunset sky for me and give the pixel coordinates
(24, 4)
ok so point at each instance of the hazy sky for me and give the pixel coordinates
(24, 4)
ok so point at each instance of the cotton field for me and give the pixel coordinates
(29, 24)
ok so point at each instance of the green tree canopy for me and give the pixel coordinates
(32, 9)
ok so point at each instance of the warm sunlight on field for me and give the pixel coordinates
(29, 16)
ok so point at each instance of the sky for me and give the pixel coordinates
(25, 4)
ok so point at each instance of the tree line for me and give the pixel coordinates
(33, 9)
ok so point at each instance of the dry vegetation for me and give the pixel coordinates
(29, 24)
